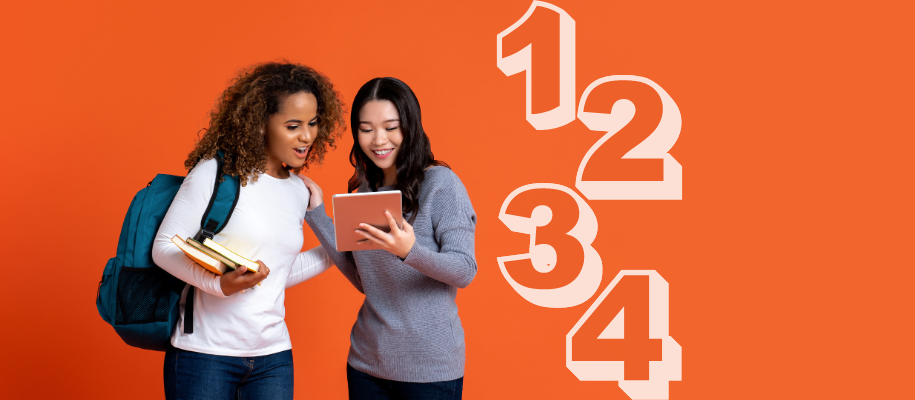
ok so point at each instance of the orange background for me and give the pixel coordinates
(788, 258)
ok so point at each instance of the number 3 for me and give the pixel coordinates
(544, 257)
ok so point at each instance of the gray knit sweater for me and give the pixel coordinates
(408, 328)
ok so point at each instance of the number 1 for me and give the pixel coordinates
(521, 61)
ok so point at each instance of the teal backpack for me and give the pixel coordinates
(135, 296)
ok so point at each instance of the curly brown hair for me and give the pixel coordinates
(242, 111)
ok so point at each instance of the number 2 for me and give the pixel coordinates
(655, 146)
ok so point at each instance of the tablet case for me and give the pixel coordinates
(351, 209)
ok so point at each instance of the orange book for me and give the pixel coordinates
(211, 264)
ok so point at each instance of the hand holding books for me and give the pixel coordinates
(237, 273)
(241, 279)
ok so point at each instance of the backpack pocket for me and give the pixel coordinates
(104, 296)
(143, 296)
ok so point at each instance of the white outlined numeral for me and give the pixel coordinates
(655, 146)
(543, 256)
(521, 61)
(669, 368)
(643, 360)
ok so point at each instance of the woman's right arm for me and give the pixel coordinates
(323, 228)
(183, 219)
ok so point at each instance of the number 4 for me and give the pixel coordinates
(624, 337)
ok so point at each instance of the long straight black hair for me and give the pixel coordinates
(415, 153)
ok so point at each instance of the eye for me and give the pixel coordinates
(393, 128)
(292, 127)
(364, 130)
(313, 122)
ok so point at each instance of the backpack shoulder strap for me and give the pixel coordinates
(222, 202)
(215, 218)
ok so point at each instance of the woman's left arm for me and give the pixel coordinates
(454, 223)
(308, 264)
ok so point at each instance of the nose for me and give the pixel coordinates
(380, 138)
(307, 135)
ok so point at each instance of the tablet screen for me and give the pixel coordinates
(354, 208)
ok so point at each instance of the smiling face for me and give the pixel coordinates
(380, 136)
(290, 133)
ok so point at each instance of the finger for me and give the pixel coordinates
(383, 237)
(391, 222)
(262, 272)
(372, 238)
(251, 279)
(373, 231)
(407, 227)
(309, 183)
(239, 272)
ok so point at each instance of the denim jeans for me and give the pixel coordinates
(363, 386)
(198, 376)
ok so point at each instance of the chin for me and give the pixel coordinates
(383, 165)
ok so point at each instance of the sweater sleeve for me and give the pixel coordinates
(183, 219)
(453, 224)
(323, 227)
(309, 264)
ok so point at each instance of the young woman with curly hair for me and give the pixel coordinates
(274, 120)
(407, 342)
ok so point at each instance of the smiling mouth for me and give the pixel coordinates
(301, 150)
(382, 152)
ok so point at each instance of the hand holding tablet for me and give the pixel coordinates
(366, 221)
(397, 241)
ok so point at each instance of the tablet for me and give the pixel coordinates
(351, 209)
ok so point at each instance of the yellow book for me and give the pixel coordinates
(204, 260)
(212, 253)
(231, 255)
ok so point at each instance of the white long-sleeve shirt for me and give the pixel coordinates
(266, 225)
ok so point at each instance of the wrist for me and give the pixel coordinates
(405, 254)
(225, 288)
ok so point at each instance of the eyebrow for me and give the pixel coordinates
(388, 120)
(298, 120)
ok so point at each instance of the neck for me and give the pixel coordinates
(390, 176)
(275, 168)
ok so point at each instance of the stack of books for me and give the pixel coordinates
(213, 256)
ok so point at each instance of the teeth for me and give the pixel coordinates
(383, 152)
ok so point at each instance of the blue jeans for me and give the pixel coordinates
(198, 376)
(363, 386)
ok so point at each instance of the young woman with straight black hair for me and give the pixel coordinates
(407, 342)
